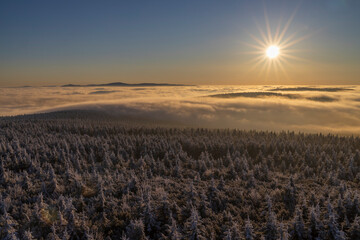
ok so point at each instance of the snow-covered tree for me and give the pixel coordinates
(135, 230)
(194, 228)
(249, 231)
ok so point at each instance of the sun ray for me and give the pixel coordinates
(264, 67)
(269, 67)
(275, 68)
(258, 62)
(253, 52)
(288, 39)
(295, 41)
(283, 69)
(294, 57)
(268, 26)
(288, 51)
(264, 44)
(263, 35)
(261, 48)
(277, 32)
(255, 64)
(287, 25)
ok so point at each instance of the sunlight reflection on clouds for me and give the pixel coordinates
(321, 109)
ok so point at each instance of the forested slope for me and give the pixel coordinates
(76, 176)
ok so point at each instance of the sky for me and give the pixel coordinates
(191, 42)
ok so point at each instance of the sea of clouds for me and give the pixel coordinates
(326, 109)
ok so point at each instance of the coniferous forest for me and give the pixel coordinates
(82, 175)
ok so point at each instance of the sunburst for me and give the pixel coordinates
(273, 50)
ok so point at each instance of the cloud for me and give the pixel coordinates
(323, 99)
(72, 93)
(102, 92)
(242, 107)
(254, 95)
(317, 89)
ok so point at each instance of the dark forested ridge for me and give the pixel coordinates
(75, 176)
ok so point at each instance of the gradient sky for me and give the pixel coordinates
(195, 42)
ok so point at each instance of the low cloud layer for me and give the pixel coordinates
(255, 95)
(323, 99)
(244, 107)
(315, 89)
(102, 92)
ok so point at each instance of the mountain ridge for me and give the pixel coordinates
(121, 84)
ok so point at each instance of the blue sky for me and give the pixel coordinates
(198, 42)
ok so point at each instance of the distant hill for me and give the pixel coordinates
(121, 84)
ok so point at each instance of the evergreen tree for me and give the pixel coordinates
(173, 232)
(53, 235)
(333, 231)
(150, 222)
(315, 226)
(3, 175)
(135, 230)
(249, 235)
(194, 228)
(290, 196)
(284, 235)
(65, 235)
(354, 231)
(8, 231)
(235, 233)
(28, 235)
(298, 226)
(271, 227)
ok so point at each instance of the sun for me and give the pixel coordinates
(272, 51)
(273, 48)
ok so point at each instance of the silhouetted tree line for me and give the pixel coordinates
(64, 176)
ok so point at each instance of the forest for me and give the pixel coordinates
(84, 175)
